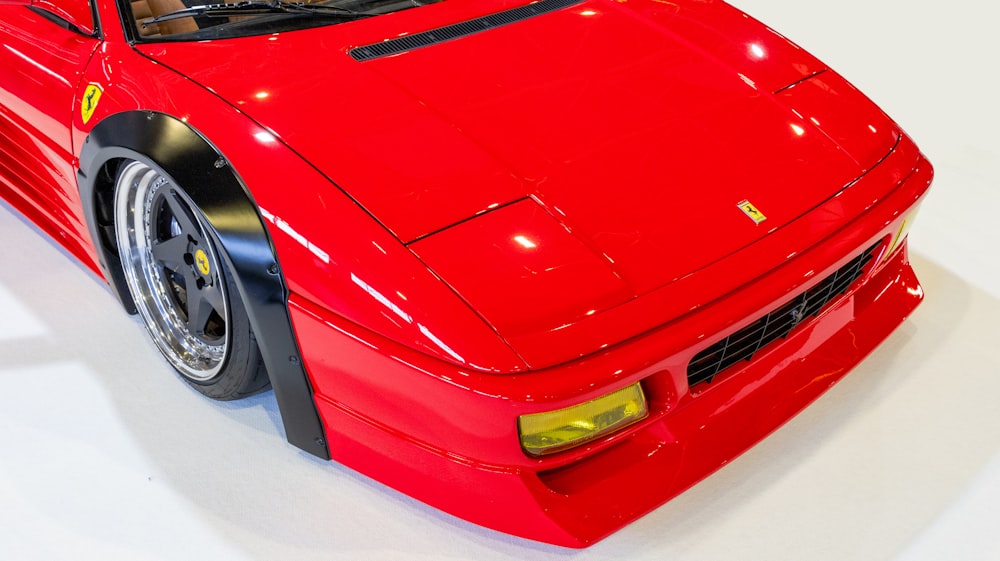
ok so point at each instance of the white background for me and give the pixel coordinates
(104, 454)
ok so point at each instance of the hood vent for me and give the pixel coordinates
(455, 31)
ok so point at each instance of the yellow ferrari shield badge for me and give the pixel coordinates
(753, 212)
(202, 262)
(91, 96)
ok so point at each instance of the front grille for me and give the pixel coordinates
(743, 344)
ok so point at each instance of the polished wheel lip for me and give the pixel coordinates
(139, 193)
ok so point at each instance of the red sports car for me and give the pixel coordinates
(542, 265)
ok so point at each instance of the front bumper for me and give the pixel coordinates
(448, 436)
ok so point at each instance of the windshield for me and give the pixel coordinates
(190, 20)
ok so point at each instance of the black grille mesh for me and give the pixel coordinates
(441, 34)
(742, 345)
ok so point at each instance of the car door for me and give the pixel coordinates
(44, 47)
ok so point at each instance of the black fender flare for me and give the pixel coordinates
(193, 163)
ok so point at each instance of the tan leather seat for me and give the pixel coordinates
(145, 9)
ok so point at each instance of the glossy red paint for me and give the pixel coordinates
(456, 422)
(544, 105)
(647, 131)
(513, 222)
(39, 78)
(72, 12)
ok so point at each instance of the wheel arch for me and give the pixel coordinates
(192, 162)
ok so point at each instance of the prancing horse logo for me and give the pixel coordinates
(748, 209)
(201, 261)
(88, 104)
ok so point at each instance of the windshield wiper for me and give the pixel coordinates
(255, 7)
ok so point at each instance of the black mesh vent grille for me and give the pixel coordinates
(441, 34)
(742, 345)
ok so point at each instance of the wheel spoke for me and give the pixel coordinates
(201, 303)
(182, 214)
(213, 295)
(169, 254)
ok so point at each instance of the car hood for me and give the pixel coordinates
(643, 153)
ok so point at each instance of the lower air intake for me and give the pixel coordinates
(743, 344)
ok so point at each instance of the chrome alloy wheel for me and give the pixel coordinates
(173, 272)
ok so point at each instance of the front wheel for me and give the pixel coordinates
(183, 291)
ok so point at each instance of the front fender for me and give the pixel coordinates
(215, 187)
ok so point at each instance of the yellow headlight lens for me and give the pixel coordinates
(552, 431)
(904, 229)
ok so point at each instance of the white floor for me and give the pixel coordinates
(105, 455)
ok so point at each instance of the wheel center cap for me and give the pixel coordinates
(201, 262)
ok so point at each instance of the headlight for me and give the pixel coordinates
(552, 431)
(904, 229)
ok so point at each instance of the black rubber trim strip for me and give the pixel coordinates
(193, 163)
(447, 33)
(58, 20)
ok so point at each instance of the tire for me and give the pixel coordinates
(183, 291)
